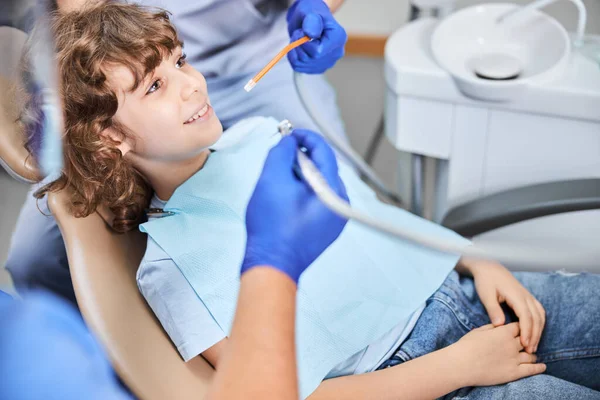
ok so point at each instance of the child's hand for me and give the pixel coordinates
(495, 285)
(493, 355)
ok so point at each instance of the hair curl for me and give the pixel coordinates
(87, 42)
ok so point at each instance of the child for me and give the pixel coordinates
(140, 131)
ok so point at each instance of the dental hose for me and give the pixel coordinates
(493, 250)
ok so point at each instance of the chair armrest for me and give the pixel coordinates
(522, 204)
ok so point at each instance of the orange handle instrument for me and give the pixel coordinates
(252, 82)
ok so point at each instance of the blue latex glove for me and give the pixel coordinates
(288, 227)
(313, 18)
(47, 353)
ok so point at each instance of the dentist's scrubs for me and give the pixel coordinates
(229, 41)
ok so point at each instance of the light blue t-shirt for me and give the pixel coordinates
(193, 329)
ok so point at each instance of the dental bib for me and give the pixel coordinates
(354, 293)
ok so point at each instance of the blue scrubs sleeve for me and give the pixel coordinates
(181, 312)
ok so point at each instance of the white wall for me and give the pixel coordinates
(377, 17)
(382, 17)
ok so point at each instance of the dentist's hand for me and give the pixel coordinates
(313, 18)
(288, 227)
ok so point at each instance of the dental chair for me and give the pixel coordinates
(103, 266)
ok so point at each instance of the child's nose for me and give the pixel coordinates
(189, 87)
(188, 91)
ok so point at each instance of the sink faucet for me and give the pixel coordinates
(537, 4)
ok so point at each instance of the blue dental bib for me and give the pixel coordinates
(354, 293)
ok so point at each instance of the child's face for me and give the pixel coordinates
(169, 112)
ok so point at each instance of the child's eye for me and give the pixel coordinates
(155, 86)
(181, 61)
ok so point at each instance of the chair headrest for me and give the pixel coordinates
(13, 155)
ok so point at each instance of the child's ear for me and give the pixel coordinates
(122, 144)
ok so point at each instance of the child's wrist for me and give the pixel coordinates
(469, 266)
(461, 371)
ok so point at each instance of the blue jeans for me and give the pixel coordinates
(569, 346)
(37, 256)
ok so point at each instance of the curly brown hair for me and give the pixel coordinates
(87, 42)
